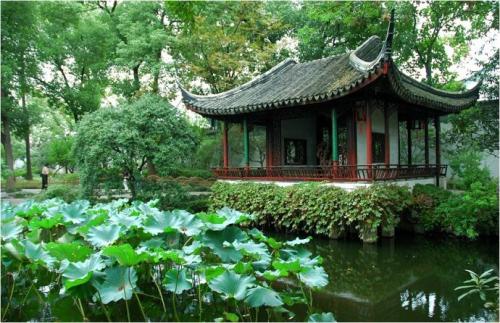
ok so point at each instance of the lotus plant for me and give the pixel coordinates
(131, 261)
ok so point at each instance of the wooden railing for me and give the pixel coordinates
(376, 172)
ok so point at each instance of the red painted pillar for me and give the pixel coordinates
(225, 146)
(369, 141)
(426, 141)
(387, 143)
(438, 148)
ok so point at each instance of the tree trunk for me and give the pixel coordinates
(9, 156)
(151, 168)
(428, 73)
(137, 82)
(29, 172)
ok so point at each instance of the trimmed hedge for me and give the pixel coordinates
(313, 208)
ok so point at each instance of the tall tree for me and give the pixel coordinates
(330, 28)
(222, 44)
(77, 48)
(427, 32)
(19, 65)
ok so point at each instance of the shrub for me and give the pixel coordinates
(425, 199)
(101, 260)
(67, 193)
(317, 209)
(170, 194)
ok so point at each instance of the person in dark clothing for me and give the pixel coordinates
(45, 177)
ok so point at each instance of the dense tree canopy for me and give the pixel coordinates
(79, 57)
(127, 137)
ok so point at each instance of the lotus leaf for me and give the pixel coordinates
(103, 235)
(45, 223)
(314, 277)
(77, 273)
(10, 230)
(232, 285)
(176, 281)
(119, 284)
(321, 317)
(298, 241)
(287, 266)
(260, 296)
(125, 219)
(75, 212)
(125, 255)
(73, 251)
(36, 253)
(215, 241)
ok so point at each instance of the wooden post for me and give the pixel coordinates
(387, 137)
(437, 124)
(408, 133)
(369, 141)
(426, 141)
(225, 148)
(246, 154)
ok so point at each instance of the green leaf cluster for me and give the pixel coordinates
(317, 209)
(133, 253)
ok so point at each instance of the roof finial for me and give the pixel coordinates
(390, 35)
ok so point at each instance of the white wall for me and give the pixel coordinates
(377, 116)
(301, 128)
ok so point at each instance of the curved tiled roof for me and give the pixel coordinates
(291, 84)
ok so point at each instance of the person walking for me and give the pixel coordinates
(45, 176)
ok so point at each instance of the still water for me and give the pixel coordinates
(407, 278)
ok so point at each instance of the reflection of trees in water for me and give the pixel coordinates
(414, 277)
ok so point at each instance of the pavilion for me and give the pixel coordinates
(335, 119)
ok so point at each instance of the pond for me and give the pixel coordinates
(407, 278)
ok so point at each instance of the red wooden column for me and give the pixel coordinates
(426, 141)
(369, 141)
(387, 157)
(437, 124)
(408, 133)
(225, 146)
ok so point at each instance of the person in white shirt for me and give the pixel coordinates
(45, 177)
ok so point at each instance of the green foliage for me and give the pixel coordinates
(68, 193)
(474, 129)
(139, 252)
(466, 214)
(315, 208)
(126, 138)
(485, 285)
(59, 152)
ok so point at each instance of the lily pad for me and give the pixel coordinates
(176, 281)
(103, 235)
(119, 284)
(260, 296)
(232, 285)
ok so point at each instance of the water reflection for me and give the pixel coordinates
(409, 278)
